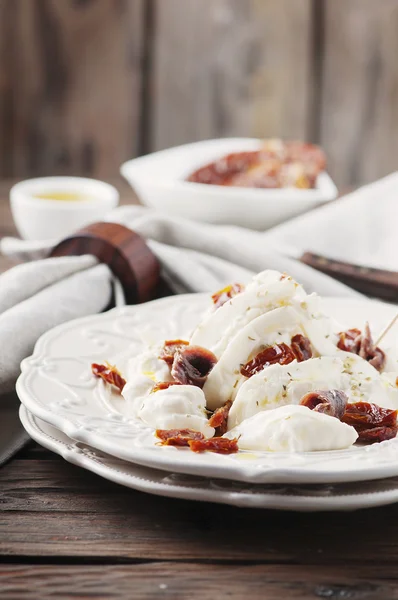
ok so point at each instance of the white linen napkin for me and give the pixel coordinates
(34, 297)
(195, 257)
(360, 228)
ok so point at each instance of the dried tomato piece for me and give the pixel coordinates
(220, 445)
(308, 154)
(163, 385)
(377, 434)
(349, 340)
(196, 441)
(265, 174)
(192, 364)
(373, 423)
(219, 419)
(365, 414)
(277, 354)
(362, 344)
(222, 170)
(178, 437)
(170, 347)
(299, 175)
(222, 296)
(110, 374)
(301, 347)
(329, 402)
(277, 164)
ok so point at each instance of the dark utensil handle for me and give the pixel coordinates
(373, 282)
(126, 254)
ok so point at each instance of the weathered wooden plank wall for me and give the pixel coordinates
(86, 84)
(233, 69)
(359, 112)
(70, 85)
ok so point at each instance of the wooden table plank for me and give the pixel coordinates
(51, 508)
(183, 581)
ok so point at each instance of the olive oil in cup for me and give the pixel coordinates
(63, 196)
(49, 208)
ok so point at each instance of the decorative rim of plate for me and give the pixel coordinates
(318, 497)
(67, 404)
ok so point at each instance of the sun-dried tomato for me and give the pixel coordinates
(221, 171)
(170, 347)
(109, 374)
(278, 354)
(265, 174)
(365, 414)
(329, 402)
(349, 340)
(377, 434)
(373, 423)
(362, 344)
(301, 347)
(178, 437)
(163, 385)
(220, 445)
(308, 154)
(196, 441)
(219, 419)
(222, 296)
(276, 164)
(192, 364)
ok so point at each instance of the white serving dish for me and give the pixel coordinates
(346, 496)
(45, 219)
(159, 181)
(57, 386)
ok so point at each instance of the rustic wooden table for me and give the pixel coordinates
(65, 532)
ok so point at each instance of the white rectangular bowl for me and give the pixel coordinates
(159, 181)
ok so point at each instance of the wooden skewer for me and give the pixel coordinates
(386, 330)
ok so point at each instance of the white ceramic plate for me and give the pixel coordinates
(56, 385)
(159, 181)
(348, 496)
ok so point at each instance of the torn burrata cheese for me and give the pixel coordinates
(272, 310)
(279, 385)
(274, 327)
(177, 407)
(293, 429)
(268, 290)
(141, 374)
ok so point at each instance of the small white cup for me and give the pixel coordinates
(46, 219)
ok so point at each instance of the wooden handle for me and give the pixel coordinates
(373, 282)
(124, 251)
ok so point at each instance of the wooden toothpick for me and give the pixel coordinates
(386, 330)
